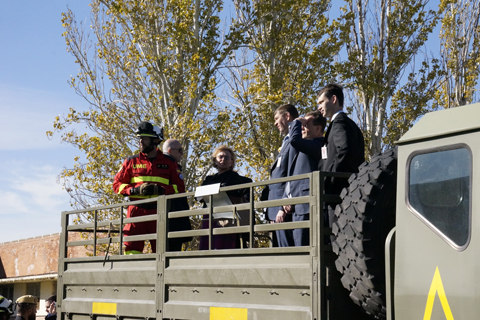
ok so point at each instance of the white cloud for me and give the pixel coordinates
(12, 202)
(32, 200)
(41, 187)
(27, 114)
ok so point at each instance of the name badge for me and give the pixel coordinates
(324, 152)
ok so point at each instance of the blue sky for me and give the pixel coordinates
(34, 69)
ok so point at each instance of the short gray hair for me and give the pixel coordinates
(170, 144)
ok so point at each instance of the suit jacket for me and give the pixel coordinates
(179, 204)
(345, 151)
(279, 170)
(307, 156)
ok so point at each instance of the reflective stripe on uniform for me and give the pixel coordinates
(175, 188)
(130, 252)
(149, 179)
(122, 186)
(136, 197)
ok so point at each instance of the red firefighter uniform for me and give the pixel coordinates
(135, 171)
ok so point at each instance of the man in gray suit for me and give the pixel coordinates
(283, 116)
(306, 138)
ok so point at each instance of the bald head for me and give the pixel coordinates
(173, 148)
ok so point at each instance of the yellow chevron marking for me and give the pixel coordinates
(437, 287)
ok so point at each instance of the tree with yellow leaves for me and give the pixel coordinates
(460, 52)
(392, 84)
(145, 60)
(289, 55)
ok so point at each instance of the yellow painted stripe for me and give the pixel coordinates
(228, 313)
(149, 179)
(104, 308)
(437, 287)
(122, 186)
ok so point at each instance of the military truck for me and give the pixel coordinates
(401, 246)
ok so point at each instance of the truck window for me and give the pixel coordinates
(439, 188)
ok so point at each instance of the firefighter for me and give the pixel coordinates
(146, 175)
(6, 308)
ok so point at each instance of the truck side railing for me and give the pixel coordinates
(178, 284)
(96, 227)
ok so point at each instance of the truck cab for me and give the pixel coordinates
(435, 234)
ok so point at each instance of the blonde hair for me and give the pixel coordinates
(224, 149)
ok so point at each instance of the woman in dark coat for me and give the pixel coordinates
(224, 161)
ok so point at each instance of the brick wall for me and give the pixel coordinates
(33, 256)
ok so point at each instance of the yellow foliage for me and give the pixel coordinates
(154, 61)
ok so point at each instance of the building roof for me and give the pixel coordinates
(43, 277)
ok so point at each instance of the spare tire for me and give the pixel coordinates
(362, 223)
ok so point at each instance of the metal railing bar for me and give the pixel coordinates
(121, 230)
(80, 243)
(149, 236)
(188, 213)
(95, 233)
(231, 230)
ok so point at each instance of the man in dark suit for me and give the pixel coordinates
(283, 116)
(306, 138)
(344, 144)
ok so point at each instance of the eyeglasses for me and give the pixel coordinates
(223, 157)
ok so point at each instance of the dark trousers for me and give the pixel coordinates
(285, 237)
(301, 237)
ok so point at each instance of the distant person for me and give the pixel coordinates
(173, 150)
(306, 138)
(51, 308)
(283, 117)
(344, 144)
(146, 175)
(6, 308)
(223, 159)
(26, 308)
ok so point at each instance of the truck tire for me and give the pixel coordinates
(363, 221)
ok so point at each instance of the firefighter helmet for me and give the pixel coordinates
(146, 129)
(6, 306)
